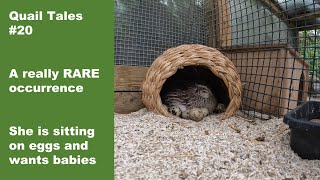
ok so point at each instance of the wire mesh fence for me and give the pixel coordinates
(268, 42)
(145, 28)
(273, 43)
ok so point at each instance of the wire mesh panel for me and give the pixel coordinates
(273, 43)
(144, 29)
(275, 47)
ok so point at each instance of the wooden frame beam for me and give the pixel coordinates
(127, 88)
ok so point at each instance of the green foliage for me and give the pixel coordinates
(310, 49)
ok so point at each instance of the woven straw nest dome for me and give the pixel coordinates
(173, 59)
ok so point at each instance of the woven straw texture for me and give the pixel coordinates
(176, 58)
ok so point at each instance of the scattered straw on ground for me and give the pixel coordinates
(150, 146)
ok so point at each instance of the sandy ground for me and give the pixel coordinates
(150, 146)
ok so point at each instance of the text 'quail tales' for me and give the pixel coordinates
(50, 150)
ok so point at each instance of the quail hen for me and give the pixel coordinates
(191, 101)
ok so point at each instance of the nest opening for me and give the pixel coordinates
(196, 61)
(200, 74)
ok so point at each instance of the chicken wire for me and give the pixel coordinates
(275, 46)
(143, 29)
(273, 43)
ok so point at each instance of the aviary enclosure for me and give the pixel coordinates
(274, 45)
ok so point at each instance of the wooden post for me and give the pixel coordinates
(224, 23)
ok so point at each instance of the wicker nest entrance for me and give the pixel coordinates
(199, 61)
